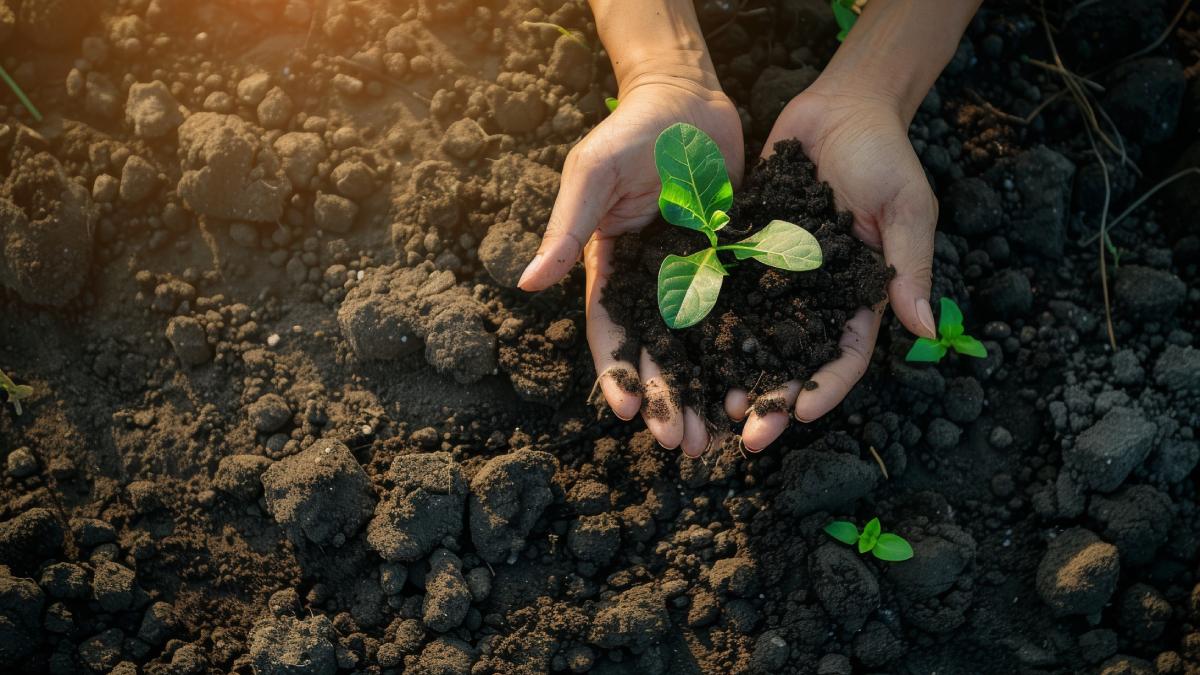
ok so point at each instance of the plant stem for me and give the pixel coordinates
(16, 89)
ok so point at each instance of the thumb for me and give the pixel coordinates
(587, 186)
(907, 232)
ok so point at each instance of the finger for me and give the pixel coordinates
(584, 196)
(907, 230)
(736, 404)
(695, 435)
(618, 377)
(660, 408)
(835, 379)
(769, 416)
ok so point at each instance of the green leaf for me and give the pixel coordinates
(969, 346)
(695, 183)
(784, 245)
(6, 382)
(719, 219)
(925, 350)
(688, 287)
(892, 548)
(870, 535)
(844, 16)
(950, 319)
(611, 103)
(843, 530)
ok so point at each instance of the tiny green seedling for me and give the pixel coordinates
(883, 545)
(696, 194)
(573, 34)
(611, 103)
(20, 94)
(16, 392)
(845, 12)
(950, 336)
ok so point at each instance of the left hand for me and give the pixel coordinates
(859, 143)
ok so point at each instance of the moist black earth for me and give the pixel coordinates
(769, 325)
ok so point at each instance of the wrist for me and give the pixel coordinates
(897, 49)
(688, 69)
(654, 39)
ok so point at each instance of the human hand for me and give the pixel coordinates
(859, 143)
(609, 187)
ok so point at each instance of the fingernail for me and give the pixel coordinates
(532, 269)
(925, 316)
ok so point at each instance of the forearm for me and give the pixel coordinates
(897, 49)
(652, 39)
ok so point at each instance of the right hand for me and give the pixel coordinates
(609, 187)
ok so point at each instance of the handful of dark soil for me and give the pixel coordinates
(769, 325)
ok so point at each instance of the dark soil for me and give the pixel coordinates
(289, 415)
(769, 326)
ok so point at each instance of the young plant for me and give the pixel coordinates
(20, 94)
(611, 103)
(696, 193)
(950, 336)
(16, 392)
(845, 12)
(883, 545)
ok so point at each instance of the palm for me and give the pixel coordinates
(861, 148)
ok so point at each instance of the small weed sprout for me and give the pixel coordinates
(845, 12)
(20, 94)
(16, 392)
(696, 193)
(611, 103)
(883, 545)
(950, 336)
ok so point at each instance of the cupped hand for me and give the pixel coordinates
(859, 143)
(609, 187)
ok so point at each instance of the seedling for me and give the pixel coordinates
(950, 336)
(16, 89)
(574, 35)
(611, 103)
(16, 392)
(845, 12)
(696, 193)
(883, 545)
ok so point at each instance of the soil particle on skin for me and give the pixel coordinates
(793, 320)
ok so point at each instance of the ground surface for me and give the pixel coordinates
(290, 416)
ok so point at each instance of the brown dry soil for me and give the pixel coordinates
(290, 416)
(768, 326)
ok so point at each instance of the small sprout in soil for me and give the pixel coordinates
(950, 336)
(16, 89)
(696, 194)
(574, 35)
(611, 103)
(16, 392)
(883, 545)
(846, 12)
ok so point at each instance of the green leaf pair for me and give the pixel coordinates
(697, 194)
(950, 336)
(883, 545)
(844, 14)
(16, 392)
